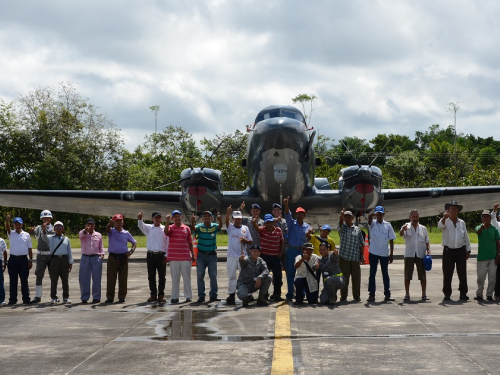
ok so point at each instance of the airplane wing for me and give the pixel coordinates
(102, 203)
(430, 201)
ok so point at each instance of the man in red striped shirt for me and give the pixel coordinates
(180, 255)
(271, 244)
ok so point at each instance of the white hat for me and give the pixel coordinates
(237, 215)
(59, 223)
(45, 213)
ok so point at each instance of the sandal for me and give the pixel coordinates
(407, 298)
(425, 298)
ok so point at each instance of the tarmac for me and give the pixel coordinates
(436, 336)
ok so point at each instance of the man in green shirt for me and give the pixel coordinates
(206, 233)
(488, 248)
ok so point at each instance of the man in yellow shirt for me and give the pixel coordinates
(323, 237)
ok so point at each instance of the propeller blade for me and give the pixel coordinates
(350, 153)
(174, 182)
(383, 148)
(213, 153)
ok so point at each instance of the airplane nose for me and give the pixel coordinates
(364, 172)
(197, 174)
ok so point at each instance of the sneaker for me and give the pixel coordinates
(201, 300)
(3, 303)
(66, 300)
(371, 298)
(36, 300)
(54, 301)
(174, 300)
(58, 300)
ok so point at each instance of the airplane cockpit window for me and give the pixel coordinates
(279, 113)
(290, 114)
(266, 115)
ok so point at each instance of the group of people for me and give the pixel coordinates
(257, 248)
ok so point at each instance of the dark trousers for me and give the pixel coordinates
(58, 268)
(301, 287)
(450, 258)
(274, 265)
(120, 268)
(155, 264)
(497, 284)
(291, 254)
(18, 267)
(2, 290)
(384, 267)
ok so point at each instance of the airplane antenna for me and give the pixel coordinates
(383, 148)
(350, 153)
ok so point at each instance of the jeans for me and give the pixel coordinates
(291, 254)
(301, 286)
(203, 261)
(384, 266)
(90, 269)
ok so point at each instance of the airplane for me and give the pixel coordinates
(280, 163)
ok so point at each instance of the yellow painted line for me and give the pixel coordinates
(282, 352)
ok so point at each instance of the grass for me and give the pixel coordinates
(222, 238)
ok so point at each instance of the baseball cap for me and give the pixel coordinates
(276, 205)
(90, 221)
(257, 247)
(326, 227)
(58, 223)
(155, 214)
(300, 209)
(255, 205)
(347, 213)
(18, 220)
(207, 212)
(176, 212)
(118, 217)
(268, 217)
(237, 215)
(379, 209)
(485, 212)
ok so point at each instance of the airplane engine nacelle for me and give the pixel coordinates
(361, 185)
(201, 190)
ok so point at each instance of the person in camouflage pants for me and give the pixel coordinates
(331, 274)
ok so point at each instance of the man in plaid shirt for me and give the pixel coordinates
(350, 254)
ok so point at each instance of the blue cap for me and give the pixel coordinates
(326, 227)
(176, 212)
(379, 209)
(18, 220)
(268, 217)
(276, 205)
(255, 205)
(428, 262)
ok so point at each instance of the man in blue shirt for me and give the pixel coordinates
(297, 230)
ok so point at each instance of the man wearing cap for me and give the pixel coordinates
(494, 222)
(350, 254)
(238, 236)
(380, 232)
(488, 250)
(247, 221)
(118, 258)
(306, 265)
(280, 222)
(271, 246)
(180, 255)
(323, 237)
(90, 262)
(206, 233)
(42, 254)
(297, 230)
(156, 243)
(456, 249)
(417, 244)
(61, 261)
(3, 265)
(254, 276)
(20, 260)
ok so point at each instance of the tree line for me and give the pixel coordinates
(54, 138)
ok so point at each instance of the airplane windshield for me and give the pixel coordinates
(276, 113)
(290, 114)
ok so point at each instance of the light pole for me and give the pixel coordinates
(155, 109)
(453, 107)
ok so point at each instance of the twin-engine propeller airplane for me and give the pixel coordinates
(280, 163)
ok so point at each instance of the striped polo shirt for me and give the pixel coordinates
(270, 242)
(207, 236)
(179, 241)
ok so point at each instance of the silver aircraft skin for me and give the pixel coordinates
(280, 163)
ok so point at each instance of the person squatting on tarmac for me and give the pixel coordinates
(247, 221)
(487, 254)
(305, 276)
(494, 221)
(118, 258)
(238, 236)
(60, 262)
(271, 246)
(42, 253)
(156, 243)
(333, 279)
(456, 249)
(3, 265)
(254, 275)
(206, 233)
(352, 244)
(380, 232)
(297, 230)
(20, 259)
(180, 255)
(90, 262)
(417, 244)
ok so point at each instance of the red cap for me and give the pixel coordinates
(118, 217)
(300, 209)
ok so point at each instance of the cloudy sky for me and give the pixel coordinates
(375, 66)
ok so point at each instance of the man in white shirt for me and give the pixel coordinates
(381, 232)
(20, 260)
(456, 251)
(416, 246)
(3, 265)
(157, 244)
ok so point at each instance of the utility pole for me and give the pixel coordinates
(453, 107)
(155, 109)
